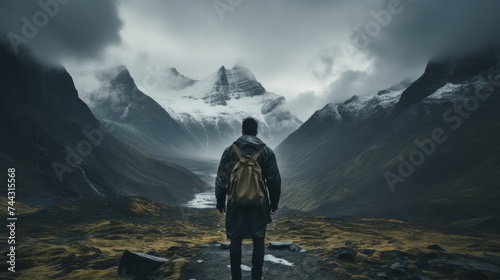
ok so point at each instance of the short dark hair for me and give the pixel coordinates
(249, 126)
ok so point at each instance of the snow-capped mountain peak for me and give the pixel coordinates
(212, 109)
(360, 108)
(224, 85)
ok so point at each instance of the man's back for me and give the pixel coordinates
(249, 145)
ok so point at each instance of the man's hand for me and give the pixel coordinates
(273, 211)
(221, 211)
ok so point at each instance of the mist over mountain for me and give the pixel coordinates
(426, 152)
(61, 151)
(207, 113)
(140, 121)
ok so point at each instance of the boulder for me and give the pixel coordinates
(368, 252)
(285, 246)
(347, 255)
(225, 245)
(435, 247)
(139, 264)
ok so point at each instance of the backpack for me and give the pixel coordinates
(246, 185)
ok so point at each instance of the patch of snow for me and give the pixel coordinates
(243, 267)
(125, 112)
(273, 259)
(389, 99)
(445, 91)
(330, 110)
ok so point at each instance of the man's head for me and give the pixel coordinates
(249, 127)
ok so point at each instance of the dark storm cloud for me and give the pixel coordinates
(438, 28)
(56, 29)
(294, 48)
(400, 39)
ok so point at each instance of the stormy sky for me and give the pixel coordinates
(311, 52)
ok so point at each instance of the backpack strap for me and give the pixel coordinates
(240, 156)
(257, 154)
(238, 152)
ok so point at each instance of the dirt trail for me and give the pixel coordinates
(212, 263)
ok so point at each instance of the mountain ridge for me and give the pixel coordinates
(356, 152)
(140, 120)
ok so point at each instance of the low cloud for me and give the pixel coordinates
(398, 43)
(323, 66)
(305, 104)
(60, 29)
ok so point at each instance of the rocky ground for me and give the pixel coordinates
(87, 240)
(212, 263)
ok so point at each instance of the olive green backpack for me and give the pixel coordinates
(246, 186)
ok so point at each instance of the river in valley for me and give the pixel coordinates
(206, 171)
(204, 199)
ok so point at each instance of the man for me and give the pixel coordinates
(243, 222)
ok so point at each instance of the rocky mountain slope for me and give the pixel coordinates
(61, 151)
(429, 152)
(140, 121)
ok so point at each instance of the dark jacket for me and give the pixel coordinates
(248, 221)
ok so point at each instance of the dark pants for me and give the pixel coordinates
(257, 258)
